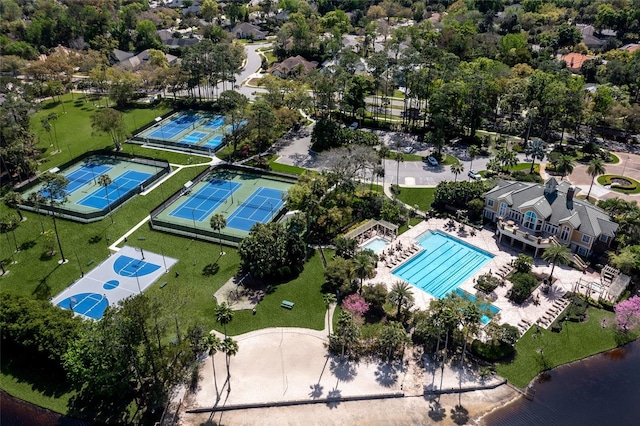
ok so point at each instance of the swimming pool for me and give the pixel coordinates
(484, 306)
(443, 265)
(376, 245)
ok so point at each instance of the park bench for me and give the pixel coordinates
(163, 284)
(287, 304)
(89, 263)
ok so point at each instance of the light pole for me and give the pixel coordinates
(138, 281)
(195, 231)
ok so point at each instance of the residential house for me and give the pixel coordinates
(575, 60)
(249, 31)
(134, 62)
(168, 39)
(631, 47)
(535, 216)
(295, 65)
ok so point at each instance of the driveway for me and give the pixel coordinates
(629, 165)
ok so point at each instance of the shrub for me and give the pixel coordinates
(476, 206)
(523, 176)
(492, 351)
(487, 283)
(523, 263)
(523, 286)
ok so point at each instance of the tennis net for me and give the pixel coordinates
(266, 206)
(208, 196)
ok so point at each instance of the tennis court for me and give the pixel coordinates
(120, 186)
(192, 130)
(243, 197)
(201, 204)
(87, 200)
(128, 272)
(172, 127)
(260, 207)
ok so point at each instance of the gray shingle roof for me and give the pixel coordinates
(554, 207)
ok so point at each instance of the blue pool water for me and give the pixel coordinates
(485, 306)
(443, 265)
(376, 245)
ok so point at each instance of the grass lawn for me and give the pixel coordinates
(413, 222)
(575, 341)
(606, 180)
(520, 166)
(423, 197)
(405, 157)
(285, 168)
(73, 129)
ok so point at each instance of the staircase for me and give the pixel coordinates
(578, 261)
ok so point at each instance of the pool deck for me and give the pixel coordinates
(522, 316)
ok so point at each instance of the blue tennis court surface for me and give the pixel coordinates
(200, 205)
(119, 187)
(214, 143)
(215, 124)
(260, 207)
(193, 138)
(129, 267)
(174, 127)
(80, 177)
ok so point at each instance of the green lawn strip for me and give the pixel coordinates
(41, 277)
(404, 227)
(73, 129)
(614, 159)
(423, 197)
(606, 180)
(575, 341)
(304, 292)
(161, 154)
(449, 160)
(520, 166)
(405, 157)
(285, 168)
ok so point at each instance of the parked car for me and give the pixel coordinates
(407, 149)
(432, 161)
(474, 175)
(353, 126)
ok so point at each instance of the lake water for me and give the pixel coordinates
(601, 390)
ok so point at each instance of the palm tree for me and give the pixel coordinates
(456, 169)
(328, 299)
(507, 158)
(558, 255)
(105, 180)
(224, 315)
(230, 348)
(473, 151)
(13, 200)
(471, 318)
(401, 295)
(55, 186)
(596, 167)
(8, 223)
(364, 265)
(52, 117)
(214, 344)
(565, 165)
(217, 223)
(535, 150)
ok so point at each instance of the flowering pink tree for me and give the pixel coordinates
(355, 304)
(628, 313)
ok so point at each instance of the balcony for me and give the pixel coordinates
(536, 240)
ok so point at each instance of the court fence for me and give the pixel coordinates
(94, 216)
(207, 233)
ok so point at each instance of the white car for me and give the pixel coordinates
(353, 126)
(432, 161)
(474, 175)
(407, 149)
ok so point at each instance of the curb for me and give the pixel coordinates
(297, 402)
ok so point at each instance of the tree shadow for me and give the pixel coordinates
(42, 290)
(27, 245)
(333, 398)
(460, 415)
(87, 404)
(343, 370)
(210, 269)
(316, 390)
(95, 239)
(386, 375)
(436, 412)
